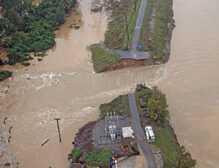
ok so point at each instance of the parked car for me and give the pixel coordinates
(149, 134)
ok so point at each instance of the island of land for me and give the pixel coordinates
(94, 144)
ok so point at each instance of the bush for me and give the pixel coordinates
(4, 74)
(76, 155)
(1, 62)
(98, 157)
(25, 63)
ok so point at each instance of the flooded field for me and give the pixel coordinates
(64, 85)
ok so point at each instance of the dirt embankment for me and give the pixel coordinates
(125, 63)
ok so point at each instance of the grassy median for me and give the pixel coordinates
(102, 59)
(116, 35)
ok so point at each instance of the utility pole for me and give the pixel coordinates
(127, 29)
(57, 120)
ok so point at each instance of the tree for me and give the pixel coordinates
(76, 155)
(157, 107)
(4, 74)
(145, 94)
(185, 159)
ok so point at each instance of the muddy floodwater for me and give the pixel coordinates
(64, 85)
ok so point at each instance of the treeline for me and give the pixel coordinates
(156, 104)
(29, 28)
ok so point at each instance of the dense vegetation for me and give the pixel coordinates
(116, 35)
(102, 59)
(4, 74)
(76, 154)
(156, 104)
(173, 154)
(116, 105)
(98, 157)
(155, 26)
(28, 28)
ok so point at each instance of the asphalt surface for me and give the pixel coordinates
(139, 133)
(137, 32)
(134, 53)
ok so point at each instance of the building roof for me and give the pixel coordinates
(127, 132)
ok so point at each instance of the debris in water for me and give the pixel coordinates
(45, 142)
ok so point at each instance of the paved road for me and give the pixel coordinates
(137, 32)
(134, 53)
(139, 133)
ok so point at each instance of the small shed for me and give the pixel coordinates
(127, 132)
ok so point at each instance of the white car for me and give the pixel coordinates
(149, 134)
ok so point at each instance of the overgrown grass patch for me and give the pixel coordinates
(115, 105)
(166, 144)
(116, 34)
(132, 20)
(102, 59)
(99, 157)
(127, 107)
(155, 26)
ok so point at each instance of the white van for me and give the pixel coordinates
(149, 134)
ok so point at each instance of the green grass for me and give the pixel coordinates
(167, 146)
(127, 107)
(161, 27)
(115, 105)
(102, 59)
(160, 30)
(137, 100)
(98, 157)
(4, 74)
(132, 19)
(116, 35)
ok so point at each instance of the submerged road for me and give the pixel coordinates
(134, 53)
(139, 133)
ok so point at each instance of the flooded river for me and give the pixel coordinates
(64, 85)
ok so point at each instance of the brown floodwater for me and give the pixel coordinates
(64, 85)
(192, 85)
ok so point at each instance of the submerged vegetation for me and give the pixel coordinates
(4, 74)
(28, 28)
(102, 59)
(155, 27)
